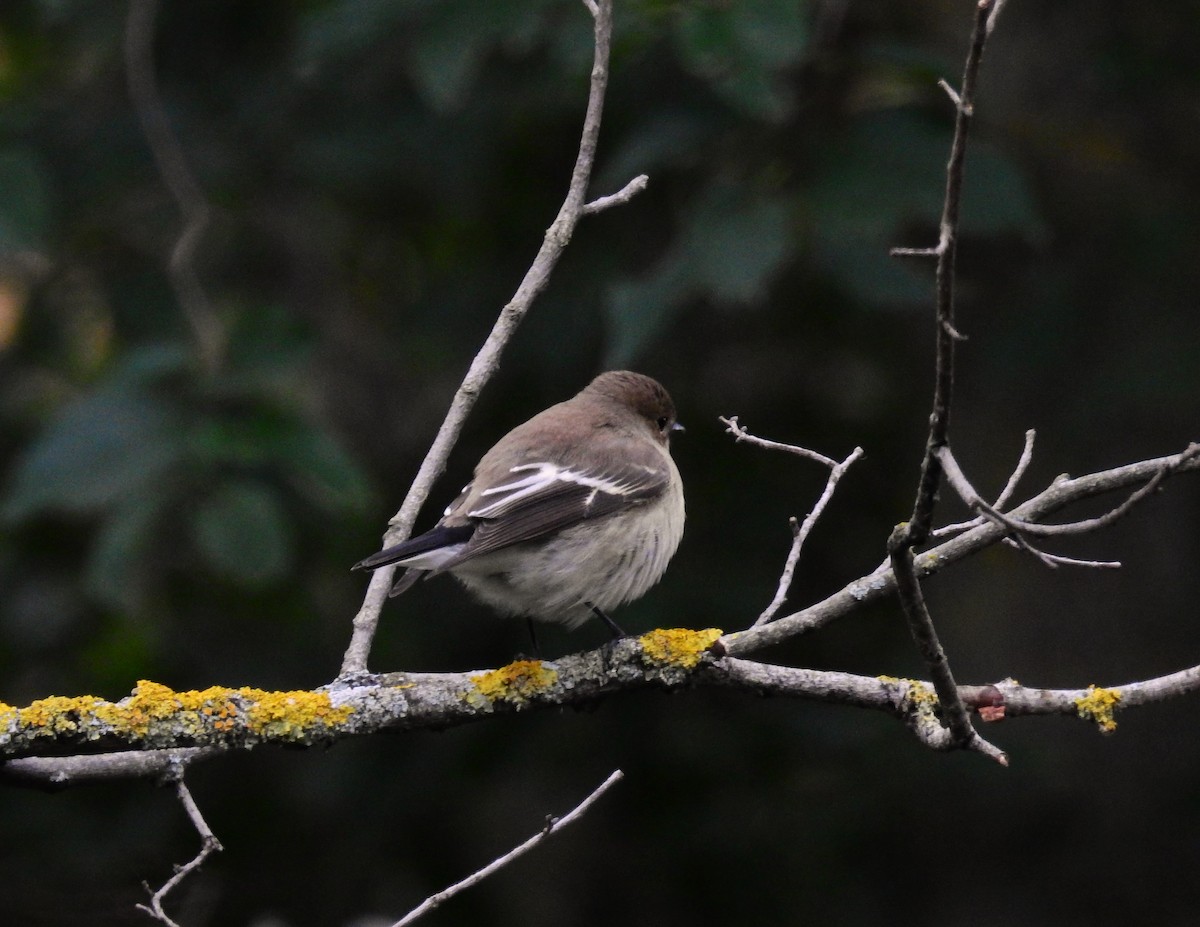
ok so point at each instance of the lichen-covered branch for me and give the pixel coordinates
(163, 725)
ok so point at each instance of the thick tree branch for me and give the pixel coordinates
(485, 363)
(59, 772)
(163, 724)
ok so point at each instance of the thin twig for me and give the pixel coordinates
(1022, 465)
(622, 196)
(800, 533)
(209, 844)
(177, 176)
(1055, 560)
(997, 6)
(914, 252)
(488, 359)
(950, 92)
(553, 826)
(880, 583)
(962, 486)
(918, 525)
(916, 530)
(741, 434)
(1002, 500)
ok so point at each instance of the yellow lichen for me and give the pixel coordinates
(678, 646)
(918, 696)
(515, 683)
(291, 713)
(217, 708)
(58, 714)
(1099, 705)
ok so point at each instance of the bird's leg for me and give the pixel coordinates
(533, 641)
(615, 628)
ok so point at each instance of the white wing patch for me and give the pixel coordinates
(450, 508)
(542, 479)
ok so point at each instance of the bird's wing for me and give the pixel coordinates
(539, 498)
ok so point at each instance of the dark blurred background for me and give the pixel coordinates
(381, 174)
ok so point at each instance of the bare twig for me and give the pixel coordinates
(914, 252)
(1022, 465)
(1002, 500)
(741, 434)
(950, 92)
(800, 531)
(553, 826)
(800, 534)
(920, 624)
(881, 583)
(962, 486)
(622, 196)
(916, 530)
(57, 772)
(1056, 560)
(173, 168)
(209, 844)
(488, 358)
(997, 6)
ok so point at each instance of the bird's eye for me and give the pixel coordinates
(664, 423)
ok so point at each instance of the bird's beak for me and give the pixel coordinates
(677, 428)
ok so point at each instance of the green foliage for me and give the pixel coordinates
(156, 445)
(744, 50)
(241, 531)
(25, 201)
(727, 251)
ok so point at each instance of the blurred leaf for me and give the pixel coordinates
(345, 29)
(670, 139)
(729, 250)
(120, 651)
(151, 364)
(241, 531)
(996, 195)
(117, 570)
(299, 450)
(740, 48)
(889, 171)
(99, 449)
(24, 201)
(321, 469)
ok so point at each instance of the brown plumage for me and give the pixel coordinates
(577, 510)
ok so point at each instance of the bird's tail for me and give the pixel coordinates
(431, 542)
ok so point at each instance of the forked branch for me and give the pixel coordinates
(558, 235)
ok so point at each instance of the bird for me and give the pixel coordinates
(571, 514)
